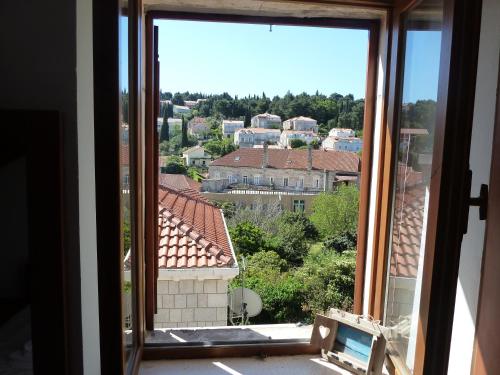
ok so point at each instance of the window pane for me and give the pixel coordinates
(422, 33)
(125, 182)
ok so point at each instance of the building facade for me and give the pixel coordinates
(288, 135)
(196, 156)
(267, 121)
(249, 137)
(229, 127)
(341, 132)
(350, 144)
(198, 127)
(287, 170)
(301, 123)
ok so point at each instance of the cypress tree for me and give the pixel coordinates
(184, 133)
(164, 136)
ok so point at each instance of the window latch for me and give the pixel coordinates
(481, 201)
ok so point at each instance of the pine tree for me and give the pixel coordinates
(184, 133)
(164, 136)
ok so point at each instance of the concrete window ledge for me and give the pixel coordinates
(285, 365)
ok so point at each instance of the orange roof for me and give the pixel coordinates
(291, 159)
(407, 231)
(124, 155)
(192, 232)
(178, 182)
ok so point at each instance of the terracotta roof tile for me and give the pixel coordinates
(291, 159)
(191, 231)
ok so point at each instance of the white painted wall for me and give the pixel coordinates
(480, 159)
(86, 186)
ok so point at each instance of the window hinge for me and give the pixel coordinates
(481, 202)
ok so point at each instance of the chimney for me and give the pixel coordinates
(309, 158)
(265, 156)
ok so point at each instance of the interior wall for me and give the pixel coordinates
(480, 160)
(86, 188)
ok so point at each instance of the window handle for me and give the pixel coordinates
(481, 202)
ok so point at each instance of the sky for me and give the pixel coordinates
(246, 59)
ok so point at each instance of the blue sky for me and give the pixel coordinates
(244, 59)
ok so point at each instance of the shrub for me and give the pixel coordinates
(340, 243)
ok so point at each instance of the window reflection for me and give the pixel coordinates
(413, 168)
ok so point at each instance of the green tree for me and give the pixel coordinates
(247, 238)
(164, 130)
(165, 148)
(336, 212)
(184, 142)
(296, 143)
(340, 243)
(178, 99)
(174, 165)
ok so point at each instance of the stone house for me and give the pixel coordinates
(249, 137)
(196, 156)
(198, 127)
(266, 120)
(341, 132)
(301, 123)
(229, 127)
(351, 144)
(289, 170)
(196, 259)
(304, 135)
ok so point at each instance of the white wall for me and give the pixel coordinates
(86, 187)
(480, 159)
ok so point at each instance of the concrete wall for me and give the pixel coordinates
(464, 321)
(191, 303)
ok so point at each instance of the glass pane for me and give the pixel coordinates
(125, 182)
(422, 33)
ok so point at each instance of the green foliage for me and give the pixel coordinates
(307, 227)
(328, 281)
(296, 143)
(247, 238)
(330, 111)
(184, 139)
(174, 165)
(165, 148)
(178, 99)
(336, 212)
(164, 130)
(195, 173)
(340, 243)
(218, 148)
(315, 144)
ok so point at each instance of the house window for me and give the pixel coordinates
(271, 180)
(301, 182)
(126, 180)
(203, 162)
(245, 180)
(192, 162)
(317, 183)
(298, 205)
(285, 181)
(256, 180)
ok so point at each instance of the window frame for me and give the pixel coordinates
(373, 27)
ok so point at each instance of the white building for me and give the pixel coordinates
(266, 120)
(229, 127)
(352, 144)
(198, 128)
(196, 156)
(181, 110)
(288, 135)
(256, 136)
(301, 123)
(341, 132)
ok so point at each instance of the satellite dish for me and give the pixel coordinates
(243, 304)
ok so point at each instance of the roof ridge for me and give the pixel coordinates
(187, 196)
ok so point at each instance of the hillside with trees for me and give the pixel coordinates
(330, 111)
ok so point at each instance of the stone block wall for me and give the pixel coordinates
(191, 303)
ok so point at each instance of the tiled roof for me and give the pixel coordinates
(407, 231)
(178, 182)
(267, 116)
(301, 118)
(291, 159)
(191, 231)
(124, 155)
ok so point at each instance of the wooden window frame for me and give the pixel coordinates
(448, 203)
(373, 28)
